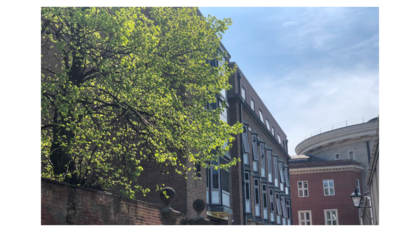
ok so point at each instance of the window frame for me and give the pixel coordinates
(268, 123)
(247, 190)
(243, 93)
(257, 192)
(272, 130)
(335, 156)
(305, 220)
(325, 217)
(303, 188)
(252, 105)
(261, 116)
(354, 155)
(328, 187)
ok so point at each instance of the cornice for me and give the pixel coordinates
(337, 168)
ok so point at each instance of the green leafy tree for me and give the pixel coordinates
(124, 85)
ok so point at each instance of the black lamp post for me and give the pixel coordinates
(356, 198)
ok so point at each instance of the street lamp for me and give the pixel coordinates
(356, 198)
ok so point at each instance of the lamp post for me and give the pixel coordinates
(356, 198)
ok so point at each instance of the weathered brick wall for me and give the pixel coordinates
(64, 204)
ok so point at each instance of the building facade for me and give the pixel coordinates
(321, 189)
(347, 144)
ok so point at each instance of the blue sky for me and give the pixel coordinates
(312, 67)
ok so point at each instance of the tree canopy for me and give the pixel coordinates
(124, 85)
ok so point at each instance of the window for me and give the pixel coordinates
(286, 176)
(351, 155)
(268, 124)
(289, 212)
(272, 131)
(329, 188)
(245, 144)
(265, 201)
(257, 198)
(305, 217)
(247, 194)
(331, 217)
(224, 175)
(254, 153)
(283, 207)
(358, 185)
(278, 137)
(272, 207)
(262, 153)
(197, 170)
(276, 172)
(278, 208)
(337, 156)
(261, 116)
(270, 165)
(303, 189)
(223, 93)
(243, 92)
(214, 179)
(282, 179)
(252, 104)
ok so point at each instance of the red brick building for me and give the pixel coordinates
(320, 190)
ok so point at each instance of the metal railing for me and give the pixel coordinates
(349, 122)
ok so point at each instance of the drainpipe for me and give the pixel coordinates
(368, 151)
(241, 152)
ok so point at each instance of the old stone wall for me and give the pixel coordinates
(64, 204)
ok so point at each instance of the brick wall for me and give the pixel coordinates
(64, 204)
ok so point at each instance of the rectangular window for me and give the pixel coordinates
(243, 93)
(358, 185)
(303, 189)
(305, 217)
(337, 156)
(283, 207)
(351, 155)
(328, 187)
(270, 165)
(262, 154)
(246, 159)
(276, 172)
(289, 211)
(223, 93)
(268, 124)
(272, 207)
(331, 217)
(197, 170)
(247, 194)
(215, 190)
(278, 137)
(261, 116)
(245, 141)
(272, 131)
(224, 175)
(257, 198)
(252, 104)
(265, 201)
(254, 153)
(282, 179)
(286, 176)
(278, 216)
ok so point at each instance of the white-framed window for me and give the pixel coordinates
(252, 104)
(351, 155)
(243, 92)
(261, 116)
(331, 217)
(268, 124)
(265, 201)
(254, 144)
(272, 207)
(270, 166)
(223, 93)
(328, 187)
(278, 137)
(305, 217)
(272, 131)
(303, 190)
(278, 216)
(262, 154)
(257, 198)
(337, 156)
(247, 193)
(358, 185)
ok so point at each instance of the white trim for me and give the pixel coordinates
(325, 216)
(328, 187)
(303, 188)
(305, 220)
(340, 168)
(354, 154)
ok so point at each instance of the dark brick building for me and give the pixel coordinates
(321, 189)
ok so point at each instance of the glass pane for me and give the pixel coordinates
(306, 193)
(265, 199)
(334, 222)
(302, 223)
(328, 215)
(325, 183)
(331, 191)
(300, 184)
(246, 176)
(309, 223)
(302, 216)
(305, 184)
(225, 180)
(257, 197)
(328, 222)
(215, 178)
(333, 216)
(307, 216)
(331, 183)
(246, 159)
(300, 193)
(326, 191)
(247, 191)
